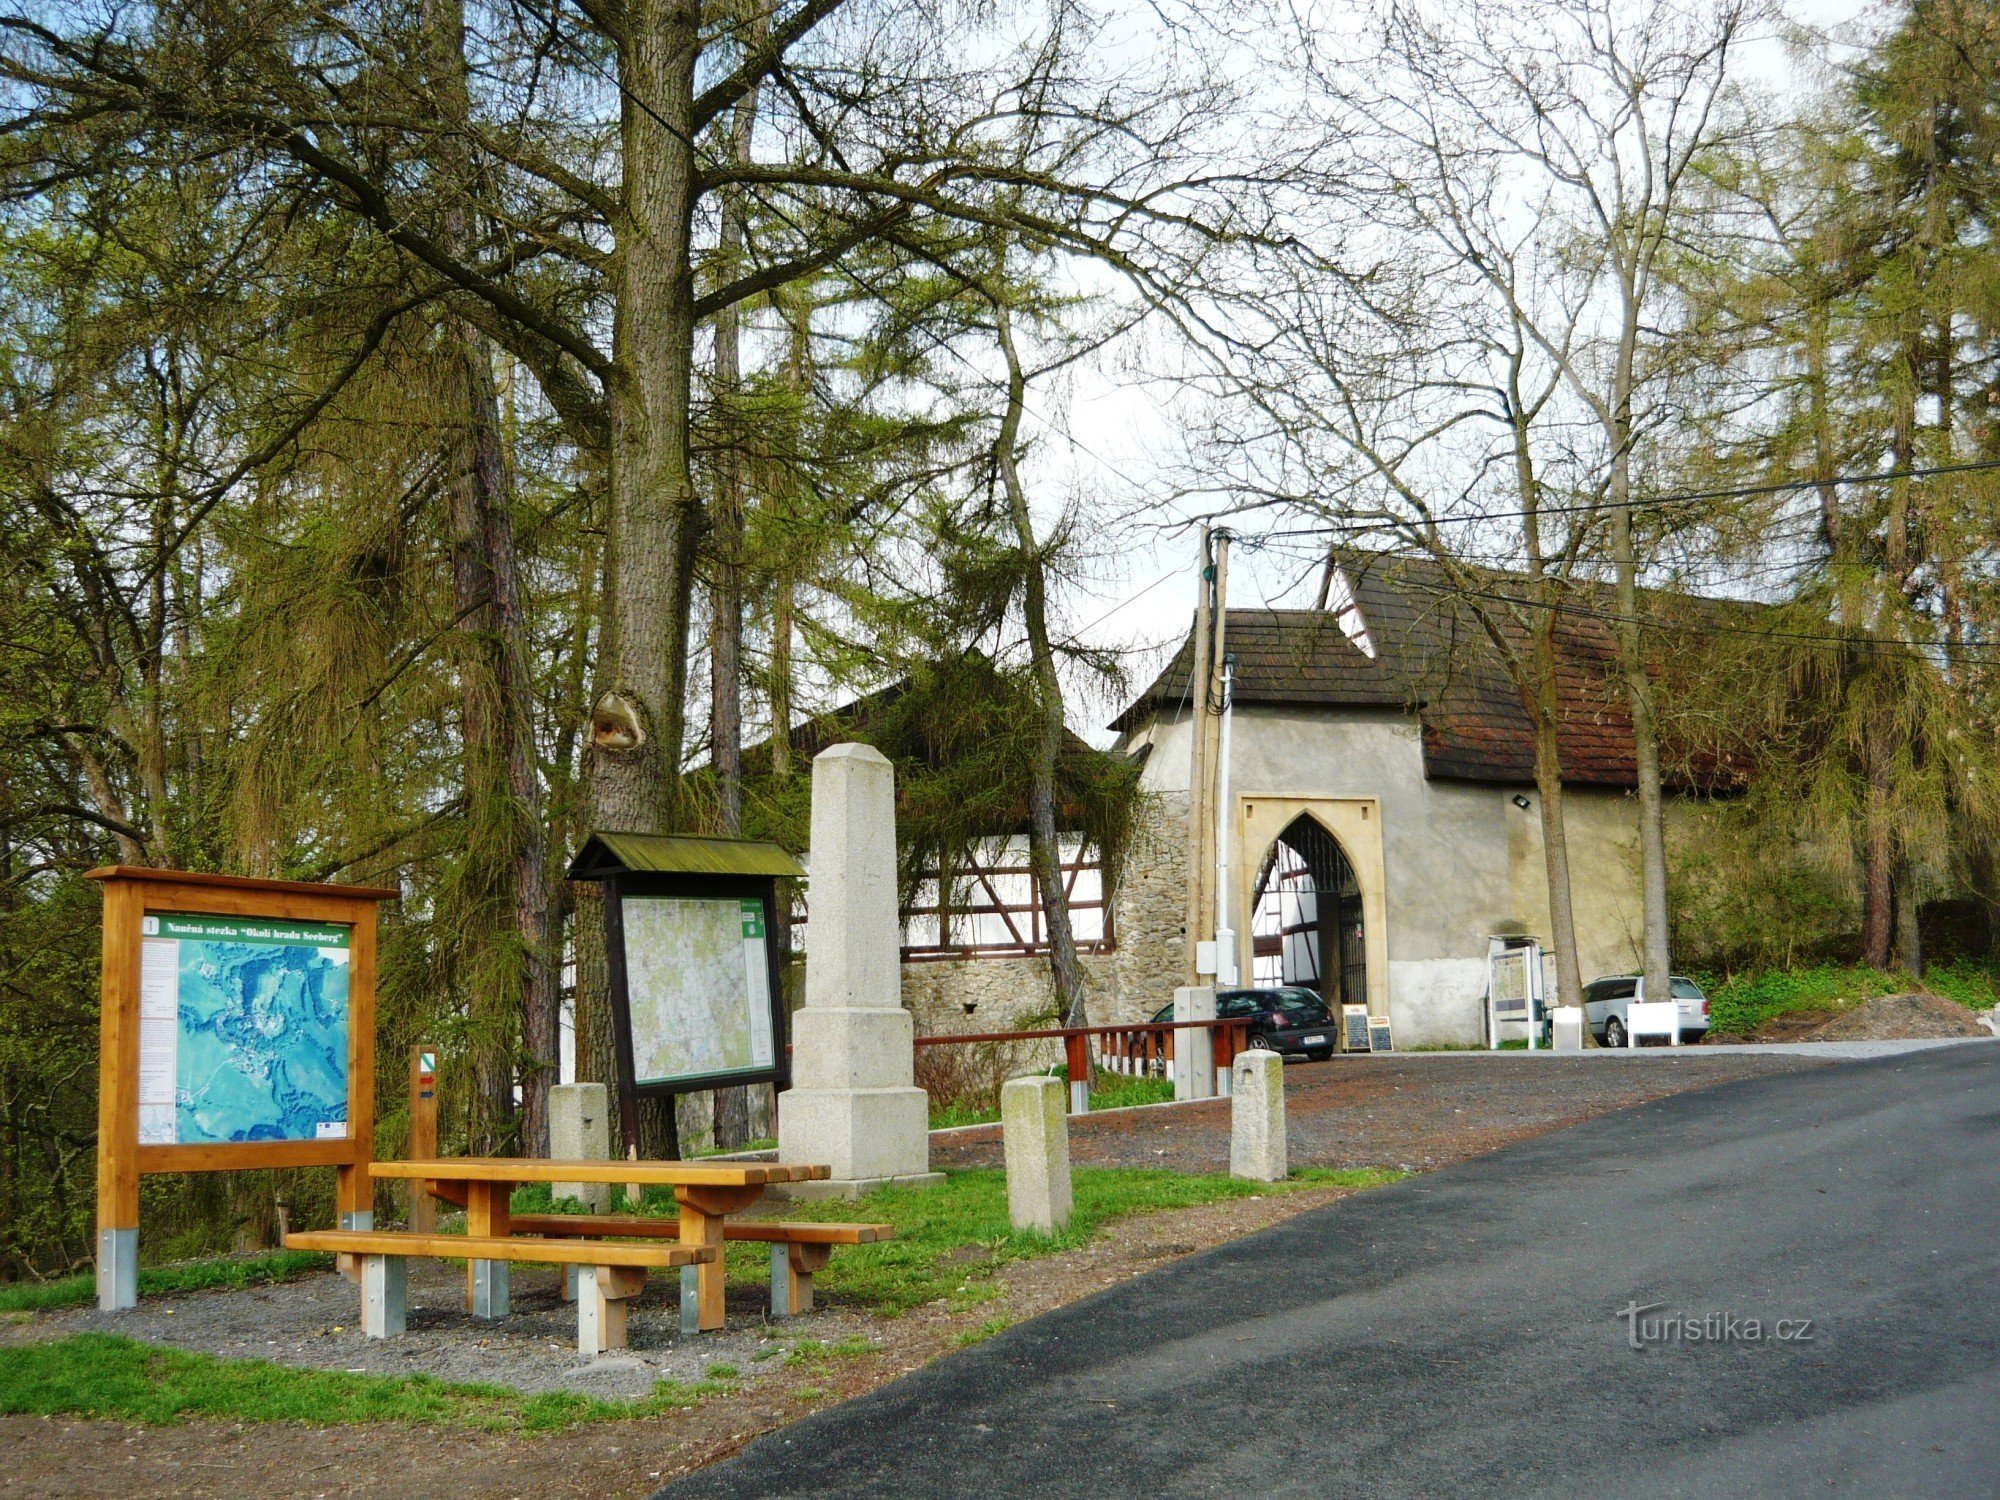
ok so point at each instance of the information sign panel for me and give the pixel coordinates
(243, 1029)
(698, 988)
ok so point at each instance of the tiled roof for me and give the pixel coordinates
(1434, 658)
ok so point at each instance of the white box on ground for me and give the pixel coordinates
(1257, 1151)
(1194, 1052)
(1034, 1130)
(1568, 1024)
(580, 1130)
(1652, 1018)
(854, 1104)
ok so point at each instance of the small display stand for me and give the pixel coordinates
(1354, 1028)
(237, 1033)
(1513, 988)
(690, 935)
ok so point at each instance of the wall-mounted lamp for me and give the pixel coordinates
(1522, 802)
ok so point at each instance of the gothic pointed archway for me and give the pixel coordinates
(1335, 844)
(1307, 923)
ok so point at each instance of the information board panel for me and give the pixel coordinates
(1355, 1019)
(1379, 1039)
(236, 1032)
(698, 987)
(243, 1029)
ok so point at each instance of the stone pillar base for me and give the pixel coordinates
(862, 1134)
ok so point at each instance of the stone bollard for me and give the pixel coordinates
(1257, 1117)
(1034, 1127)
(580, 1130)
(1568, 1028)
(1194, 1048)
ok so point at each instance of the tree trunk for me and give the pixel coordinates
(731, 1105)
(1044, 839)
(1909, 932)
(1654, 912)
(503, 780)
(1877, 855)
(1555, 836)
(637, 708)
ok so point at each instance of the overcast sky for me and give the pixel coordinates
(1110, 438)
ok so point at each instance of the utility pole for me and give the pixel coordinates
(1211, 603)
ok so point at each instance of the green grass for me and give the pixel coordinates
(101, 1375)
(1107, 1091)
(1743, 1002)
(167, 1281)
(951, 1238)
(1112, 1091)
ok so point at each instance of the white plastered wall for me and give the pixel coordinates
(1442, 865)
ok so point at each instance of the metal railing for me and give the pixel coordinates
(1142, 1049)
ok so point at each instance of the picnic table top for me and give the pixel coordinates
(541, 1169)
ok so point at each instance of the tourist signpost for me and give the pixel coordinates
(237, 1032)
(690, 935)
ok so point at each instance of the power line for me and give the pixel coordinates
(1737, 492)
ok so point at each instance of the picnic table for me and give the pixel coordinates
(706, 1193)
(611, 1271)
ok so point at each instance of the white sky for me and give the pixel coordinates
(1111, 441)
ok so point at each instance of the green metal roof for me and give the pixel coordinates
(605, 854)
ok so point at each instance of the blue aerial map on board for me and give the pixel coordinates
(262, 1052)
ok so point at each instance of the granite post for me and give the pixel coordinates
(854, 1104)
(1257, 1117)
(580, 1130)
(1034, 1131)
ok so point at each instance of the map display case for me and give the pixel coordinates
(695, 959)
(237, 1032)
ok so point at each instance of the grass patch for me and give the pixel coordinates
(951, 1116)
(1742, 1002)
(1114, 1091)
(950, 1238)
(813, 1352)
(169, 1281)
(102, 1375)
(979, 1335)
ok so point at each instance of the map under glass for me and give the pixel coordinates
(243, 1030)
(698, 983)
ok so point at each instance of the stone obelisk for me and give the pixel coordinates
(854, 1103)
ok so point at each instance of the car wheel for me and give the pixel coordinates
(1261, 1043)
(1614, 1033)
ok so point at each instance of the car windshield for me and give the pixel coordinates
(1292, 1001)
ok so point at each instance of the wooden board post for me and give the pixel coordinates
(423, 1144)
(141, 909)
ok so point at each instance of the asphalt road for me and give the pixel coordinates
(1457, 1334)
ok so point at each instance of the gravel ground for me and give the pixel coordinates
(314, 1322)
(1413, 1111)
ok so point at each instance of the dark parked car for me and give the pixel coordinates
(1286, 1019)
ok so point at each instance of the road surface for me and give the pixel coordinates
(1459, 1333)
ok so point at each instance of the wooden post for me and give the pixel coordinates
(1076, 1050)
(423, 1135)
(118, 1102)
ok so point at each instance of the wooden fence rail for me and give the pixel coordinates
(1140, 1050)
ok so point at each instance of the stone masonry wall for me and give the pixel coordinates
(1129, 983)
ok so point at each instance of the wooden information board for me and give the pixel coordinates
(237, 1032)
(1354, 1024)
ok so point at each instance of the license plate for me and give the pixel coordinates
(1312, 1041)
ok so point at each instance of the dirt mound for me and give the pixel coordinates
(1889, 1018)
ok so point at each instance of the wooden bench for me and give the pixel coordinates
(609, 1273)
(797, 1250)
